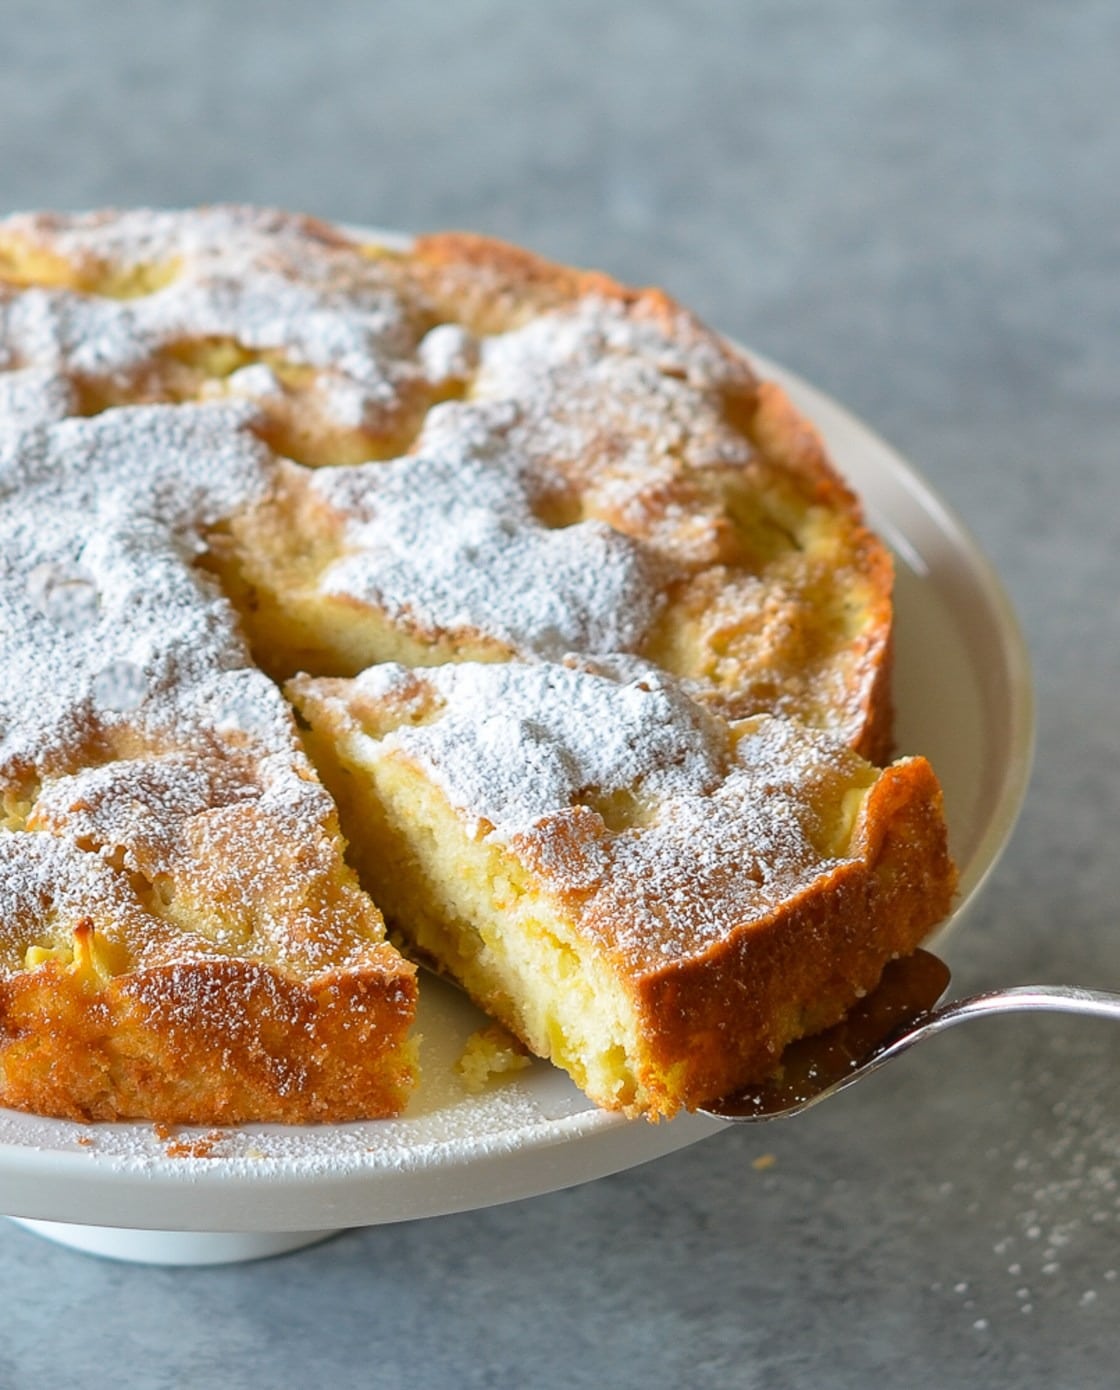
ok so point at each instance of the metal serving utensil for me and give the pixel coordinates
(900, 1013)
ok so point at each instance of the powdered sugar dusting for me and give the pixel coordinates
(621, 406)
(102, 591)
(449, 540)
(446, 540)
(516, 743)
(219, 273)
(34, 395)
(134, 722)
(708, 864)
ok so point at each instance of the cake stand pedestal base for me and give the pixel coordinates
(172, 1247)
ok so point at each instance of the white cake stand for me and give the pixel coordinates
(963, 695)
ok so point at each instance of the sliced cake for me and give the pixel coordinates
(628, 642)
(653, 898)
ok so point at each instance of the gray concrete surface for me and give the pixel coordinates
(915, 207)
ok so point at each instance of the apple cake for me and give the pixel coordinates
(519, 580)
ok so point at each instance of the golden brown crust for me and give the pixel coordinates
(800, 969)
(490, 285)
(213, 1041)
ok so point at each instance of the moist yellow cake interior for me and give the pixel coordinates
(471, 909)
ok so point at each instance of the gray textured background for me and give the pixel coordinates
(915, 207)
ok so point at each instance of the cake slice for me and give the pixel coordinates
(181, 941)
(655, 899)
